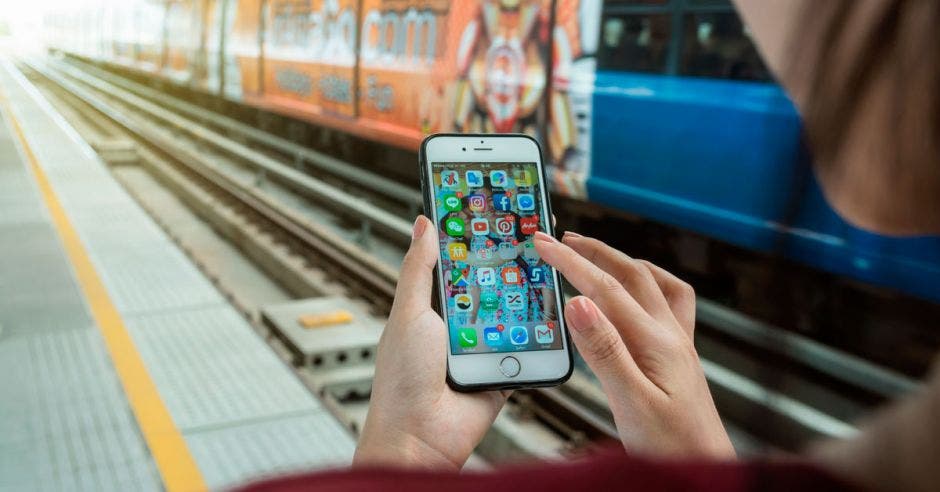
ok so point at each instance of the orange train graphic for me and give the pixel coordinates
(388, 70)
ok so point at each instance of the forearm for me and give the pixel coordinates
(897, 450)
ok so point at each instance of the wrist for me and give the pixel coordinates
(399, 450)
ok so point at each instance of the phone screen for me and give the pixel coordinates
(499, 296)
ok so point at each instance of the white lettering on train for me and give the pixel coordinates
(325, 34)
(392, 36)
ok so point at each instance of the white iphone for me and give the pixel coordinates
(501, 303)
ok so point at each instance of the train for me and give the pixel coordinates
(661, 109)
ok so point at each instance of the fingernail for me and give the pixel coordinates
(569, 234)
(582, 314)
(418, 228)
(545, 238)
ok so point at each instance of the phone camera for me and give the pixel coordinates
(464, 149)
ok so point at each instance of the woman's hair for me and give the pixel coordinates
(867, 75)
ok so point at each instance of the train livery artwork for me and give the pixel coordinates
(388, 70)
(662, 109)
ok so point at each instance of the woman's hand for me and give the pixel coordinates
(634, 326)
(414, 418)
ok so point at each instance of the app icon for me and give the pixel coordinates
(511, 275)
(502, 202)
(536, 275)
(529, 251)
(463, 303)
(467, 337)
(484, 253)
(526, 202)
(498, 179)
(528, 225)
(507, 251)
(452, 203)
(474, 178)
(544, 334)
(458, 277)
(457, 251)
(486, 276)
(492, 336)
(506, 225)
(524, 178)
(489, 301)
(480, 227)
(514, 301)
(477, 203)
(450, 179)
(454, 226)
(518, 335)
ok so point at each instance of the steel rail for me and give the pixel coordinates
(380, 220)
(377, 279)
(302, 155)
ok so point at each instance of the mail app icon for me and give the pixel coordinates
(544, 334)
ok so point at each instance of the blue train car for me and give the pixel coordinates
(688, 129)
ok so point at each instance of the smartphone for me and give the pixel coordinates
(501, 302)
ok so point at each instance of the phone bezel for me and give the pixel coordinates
(474, 372)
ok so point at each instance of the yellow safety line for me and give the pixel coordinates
(166, 443)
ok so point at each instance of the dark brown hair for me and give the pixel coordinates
(867, 73)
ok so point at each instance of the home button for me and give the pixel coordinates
(510, 366)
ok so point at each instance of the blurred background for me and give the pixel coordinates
(274, 142)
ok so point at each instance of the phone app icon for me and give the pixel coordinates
(489, 301)
(454, 226)
(467, 337)
(498, 179)
(450, 179)
(474, 178)
(486, 276)
(506, 225)
(457, 251)
(526, 202)
(492, 336)
(480, 227)
(507, 251)
(463, 303)
(452, 203)
(458, 277)
(536, 275)
(544, 334)
(484, 254)
(502, 202)
(529, 252)
(511, 275)
(519, 335)
(528, 225)
(513, 301)
(524, 178)
(477, 203)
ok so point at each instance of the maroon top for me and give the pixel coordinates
(607, 470)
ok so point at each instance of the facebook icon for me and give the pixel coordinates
(502, 202)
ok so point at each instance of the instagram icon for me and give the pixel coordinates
(477, 203)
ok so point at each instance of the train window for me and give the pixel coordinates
(716, 44)
(634, 42)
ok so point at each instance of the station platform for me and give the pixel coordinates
(121, 366)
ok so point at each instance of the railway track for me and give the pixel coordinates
(320, 227)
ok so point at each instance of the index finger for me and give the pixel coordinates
(616, 303)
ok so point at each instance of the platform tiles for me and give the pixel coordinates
(66, 421)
